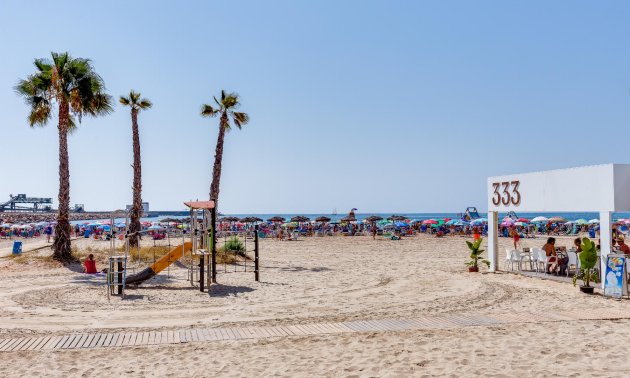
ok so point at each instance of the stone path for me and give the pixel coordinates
(191, 335)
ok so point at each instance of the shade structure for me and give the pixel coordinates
(430, 221)
(322, 219)
(523, 220)
(349, 219)
(276, 219)
(250, 220)
(396, 218)
(300, 218)
(540, 219)
(373, 218)
(228, 219)
(200, 204)
(581, 221)
(593, 221)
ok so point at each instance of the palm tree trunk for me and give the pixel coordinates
(218, 159)
(136, 211)
(61, 245)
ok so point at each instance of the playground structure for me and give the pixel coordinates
(16, 203)
(201, 250)
(470, 214)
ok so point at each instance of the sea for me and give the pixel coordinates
(156, 216)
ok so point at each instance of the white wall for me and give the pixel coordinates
(593, 188)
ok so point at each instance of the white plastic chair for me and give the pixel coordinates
(543, 259)
(534, 258)
(508, 259)
(573, 260)
(537, 255)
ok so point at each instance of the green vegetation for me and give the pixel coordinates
(588, 260)
(475, 254)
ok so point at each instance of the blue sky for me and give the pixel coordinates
(386, 106)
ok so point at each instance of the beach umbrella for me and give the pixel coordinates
(429, 221)
(593, 221)
(276, 219)
(540, 219)
(373, 218)
(508, 219)
(506, 224)
(523, 220)
(520, 224)
(453, 222)
(557, 220)
(228, 219)
(171, 220)
(446, 220)
(250, 220)
(300, 218)
(581, 221)
(348, 219)
(396, 218)
(401, 224)
(322, 219)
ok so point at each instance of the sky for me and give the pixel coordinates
(384, 106)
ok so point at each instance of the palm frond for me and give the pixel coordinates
(240, 119)
(124, 100)
(145, 103)
(230, 100)
(208, 111)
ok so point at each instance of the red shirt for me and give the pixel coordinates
(90, 266)
(624, 248)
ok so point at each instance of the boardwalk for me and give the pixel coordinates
(195, 335)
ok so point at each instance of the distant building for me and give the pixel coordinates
(145, 207)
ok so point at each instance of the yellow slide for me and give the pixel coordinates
(161, 264)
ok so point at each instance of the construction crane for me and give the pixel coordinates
(16, 203)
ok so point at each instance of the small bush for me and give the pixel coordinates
(235, 246)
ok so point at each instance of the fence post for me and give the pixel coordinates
(213, 242)
(256, 272)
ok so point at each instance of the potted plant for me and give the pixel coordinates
(475, 255)
(588, 260)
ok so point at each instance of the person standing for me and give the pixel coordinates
(516, 237)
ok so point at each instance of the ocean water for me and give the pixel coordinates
(412, 216)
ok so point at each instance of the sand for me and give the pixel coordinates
(314, 280)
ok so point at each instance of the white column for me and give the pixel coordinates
(605, 236)
(493, 240)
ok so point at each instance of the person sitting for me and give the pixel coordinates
(89, 265)
(578, 245)
(550, 251)
(623, 247)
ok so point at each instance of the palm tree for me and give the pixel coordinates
(78, 91)
(136, 104)
(226, 109)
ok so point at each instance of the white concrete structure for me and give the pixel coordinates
(598, 188)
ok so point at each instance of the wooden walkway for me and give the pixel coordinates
(192, 335)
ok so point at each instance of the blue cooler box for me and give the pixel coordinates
(17, 247)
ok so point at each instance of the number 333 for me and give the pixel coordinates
(503, 195)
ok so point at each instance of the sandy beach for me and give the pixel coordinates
(314, 281)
